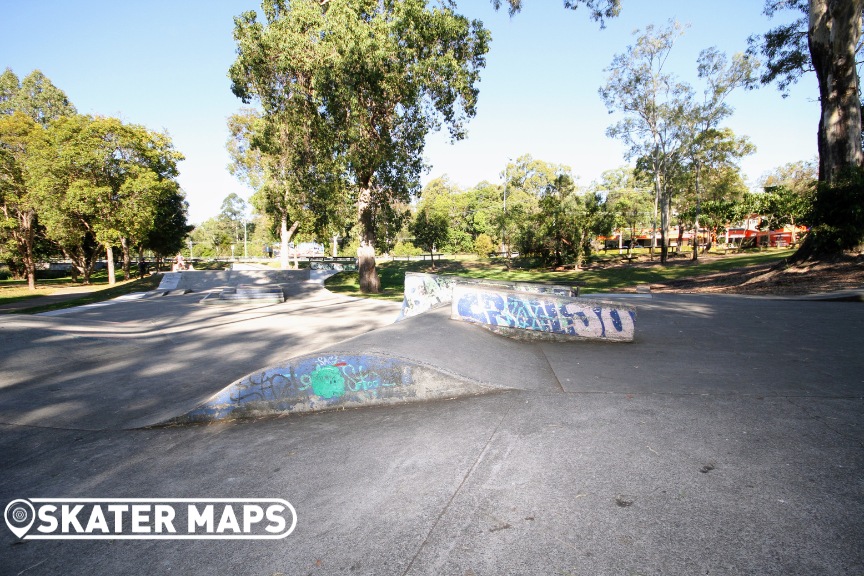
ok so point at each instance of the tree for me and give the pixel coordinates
(99, 180)
(211, 238)
(234, 212)
(25, 108)
(527, 181)
(652, 102)
(359, 84)
(170, 226)
(830, 31)
(706, 145)
(788, 195)
(34, 96)
(629, 200)
(264, 157)
(430, 231)
(19, 223)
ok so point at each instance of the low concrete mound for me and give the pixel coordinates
(317, 382)
(530, 316)
(424, 292)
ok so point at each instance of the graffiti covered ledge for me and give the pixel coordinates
(317, 382)
(528, 316)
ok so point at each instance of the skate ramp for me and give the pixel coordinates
(316, 382)
(142, 362)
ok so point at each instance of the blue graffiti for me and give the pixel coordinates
(552, 315)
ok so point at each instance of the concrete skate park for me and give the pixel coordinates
(725, 438)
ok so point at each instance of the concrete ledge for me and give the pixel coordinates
(424, 292)
(542, 316)
(200, 280)
(314, 382)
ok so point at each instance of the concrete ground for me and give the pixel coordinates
(727, 439)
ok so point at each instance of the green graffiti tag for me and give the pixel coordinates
(328, 382)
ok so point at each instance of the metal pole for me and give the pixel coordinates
(245, 240)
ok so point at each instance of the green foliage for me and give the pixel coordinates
(783, 49)
(34, 96)
(97, 180)
(484, 245)
(838, 215)
(349, 91)
(406, 249)
(430, 230)
(26, 107)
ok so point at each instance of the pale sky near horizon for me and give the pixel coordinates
(163, 64)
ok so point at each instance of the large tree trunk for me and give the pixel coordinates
(654, 217)
(25, 240)
(27, 245)
(141, 263)
(127, 258)
(696, 218)
(285, 236)
(109, 256)
(835, 28)
(370, 283)
(664, 227)
(832, 36)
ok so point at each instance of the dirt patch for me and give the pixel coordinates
(846, 273)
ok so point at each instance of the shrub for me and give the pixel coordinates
(484, 245)
(405, 249)
(837, 216)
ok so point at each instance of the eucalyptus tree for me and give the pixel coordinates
(356, 86)
(553, 222)
(569, 220)
(706, 145)
(652, 102)
(825, 38)
(264, 158)
(149, 205)
(527, 181)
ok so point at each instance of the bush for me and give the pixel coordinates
(837, 216)
(405, 249)
(484, 245)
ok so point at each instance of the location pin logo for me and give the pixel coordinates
(19, 515)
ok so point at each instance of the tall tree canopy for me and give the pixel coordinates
(26, 107)
(97, 180)
(34, 96)
(356, 86)
(652, 102)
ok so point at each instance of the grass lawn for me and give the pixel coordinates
(16, 290)
(608, 274)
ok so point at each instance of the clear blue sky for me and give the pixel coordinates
(164, 64)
